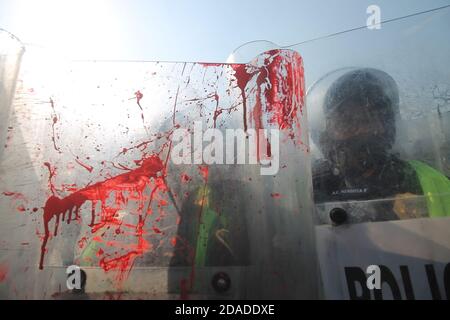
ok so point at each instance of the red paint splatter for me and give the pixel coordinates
(279, 81)
(122, 264)
(134, 181)
(279, 99)
(281, 85)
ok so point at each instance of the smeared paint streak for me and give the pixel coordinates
(134, 181)
(54, 121)
(3, 272)
(87, 167)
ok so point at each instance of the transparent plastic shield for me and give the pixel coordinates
(160, 180)
(379, 120)
(379, 116)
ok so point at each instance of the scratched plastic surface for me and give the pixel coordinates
(87, 179)
(11, 52)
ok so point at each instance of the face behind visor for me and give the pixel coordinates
(358, 126)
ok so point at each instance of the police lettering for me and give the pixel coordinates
(358, 290)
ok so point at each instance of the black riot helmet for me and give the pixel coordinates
(353, 117)
(363, 95)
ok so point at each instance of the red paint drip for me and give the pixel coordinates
(242, 78)
(87, 167)
(285, 95)
(133, 181)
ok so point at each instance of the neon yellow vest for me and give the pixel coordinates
(436, 189)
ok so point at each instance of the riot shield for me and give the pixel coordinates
(159, 180)
(379, 124)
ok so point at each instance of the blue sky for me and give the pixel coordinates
(179, 30)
